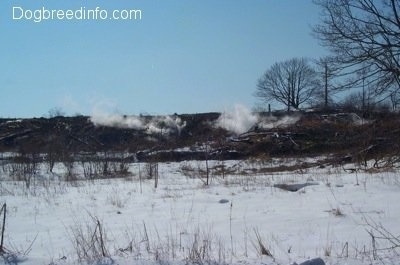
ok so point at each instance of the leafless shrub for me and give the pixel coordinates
(95, 168)
(11, 255)
(120, 167)
(69, 165)
(3, 211)
(328, 250)
(260, 246)
(151, 172)
(114, 164)
(53, 151)
(89, 241)
(3, 163)
(105, 165)
(24, 167)
(381, 238)
(337, 212)
(223, 170)
(138, 242)
(200, 248)
(188, 170)
(115, 199)
(89, 169)
(345, 250)
(386, 162)
(197, 247)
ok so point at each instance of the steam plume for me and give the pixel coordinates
(240, 120)
(154, 125)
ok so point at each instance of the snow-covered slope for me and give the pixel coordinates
(183, 221)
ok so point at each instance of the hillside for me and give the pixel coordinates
(205, 136)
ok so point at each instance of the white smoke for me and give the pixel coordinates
(165, 124)
(238, 120)
(154, 125)
(116, 120)
(271, 122)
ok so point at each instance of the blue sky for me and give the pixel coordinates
(183, 56)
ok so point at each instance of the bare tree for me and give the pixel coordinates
(291, 83)
(363, 36)
(329, 74)
(362, 101)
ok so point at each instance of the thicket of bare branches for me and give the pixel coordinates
(363, 36)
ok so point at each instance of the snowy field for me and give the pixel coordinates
(344, 218)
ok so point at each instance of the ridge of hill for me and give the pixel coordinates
(200, 136)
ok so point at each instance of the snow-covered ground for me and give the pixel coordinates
(183, 221)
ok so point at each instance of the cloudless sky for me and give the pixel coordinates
(183, 56)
